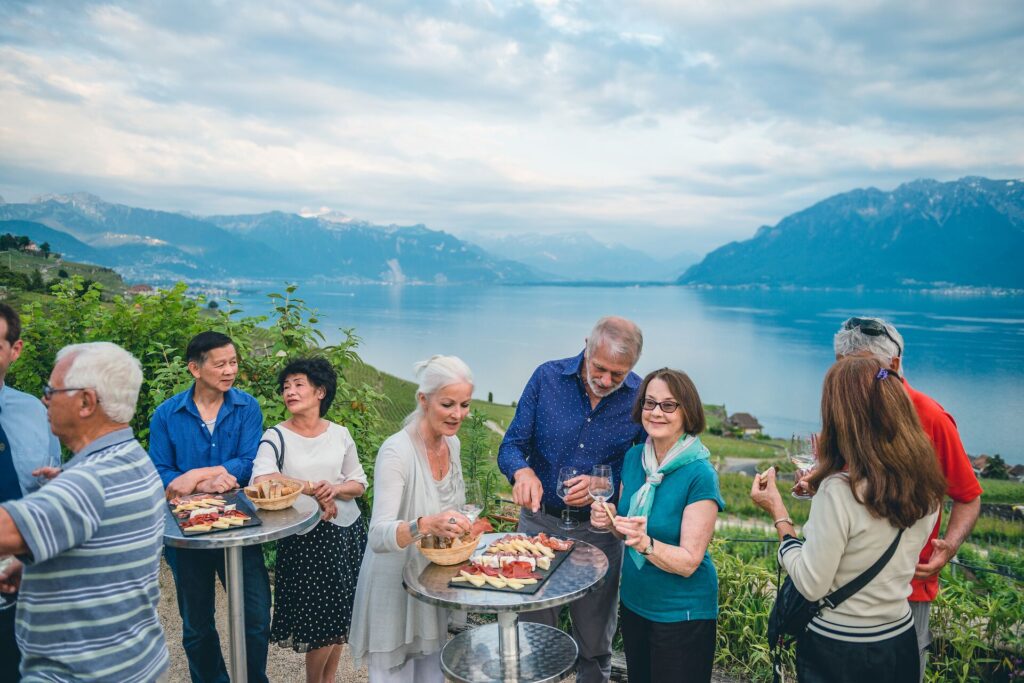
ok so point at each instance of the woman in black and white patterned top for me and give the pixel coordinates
(316, 573)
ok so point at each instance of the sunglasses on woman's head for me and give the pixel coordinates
(872, 328)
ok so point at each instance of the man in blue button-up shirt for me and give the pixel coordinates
(29, 446)
(204, 439)
(576, 412)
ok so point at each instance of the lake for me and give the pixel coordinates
(761, 352)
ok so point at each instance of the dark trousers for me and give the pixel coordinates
(10, 655)
(593, 615)
(659, 652)
(824, 660)
(194, 572)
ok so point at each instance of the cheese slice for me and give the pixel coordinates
(200, 527)
(221, 524)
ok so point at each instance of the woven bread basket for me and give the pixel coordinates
(450, 556)
(292, 490)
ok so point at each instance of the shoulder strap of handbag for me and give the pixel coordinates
(841, 594)
(278, 454)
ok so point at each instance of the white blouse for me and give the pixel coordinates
(330, 456)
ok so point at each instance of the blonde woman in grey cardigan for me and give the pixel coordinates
(418, 489)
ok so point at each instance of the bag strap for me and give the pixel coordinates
(842, 594)
(278, 454)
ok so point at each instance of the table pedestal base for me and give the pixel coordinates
(236, 613)
(538, 653)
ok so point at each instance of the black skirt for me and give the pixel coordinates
(315, 584)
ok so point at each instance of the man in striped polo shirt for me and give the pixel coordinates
(90, 539)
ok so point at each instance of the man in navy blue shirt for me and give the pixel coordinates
(576, 412)
(204, 439)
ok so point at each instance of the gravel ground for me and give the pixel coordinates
(283, 665)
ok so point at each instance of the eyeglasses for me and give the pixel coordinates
(666, 406)
(872, 328)
(49, 391)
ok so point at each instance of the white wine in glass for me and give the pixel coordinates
(601, 489)
(474, 504)
(565, 475)
(801, 453)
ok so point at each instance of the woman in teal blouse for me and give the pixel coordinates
(669, 589)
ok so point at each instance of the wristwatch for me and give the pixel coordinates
(414, 529)
(649, 549)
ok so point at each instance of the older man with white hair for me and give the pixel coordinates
(577, 412)
(89, 541)
(862, 336)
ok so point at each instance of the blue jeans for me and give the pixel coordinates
(194, 572)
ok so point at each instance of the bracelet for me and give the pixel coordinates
(780, 520)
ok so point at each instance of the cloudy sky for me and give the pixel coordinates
(683, 123)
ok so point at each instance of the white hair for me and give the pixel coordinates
(620, 337)
(854, 341)
(435, 374)
(113, 373)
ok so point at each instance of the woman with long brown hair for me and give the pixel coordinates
(876, 475)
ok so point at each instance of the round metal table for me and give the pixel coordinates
(509, 650)
(277, 524)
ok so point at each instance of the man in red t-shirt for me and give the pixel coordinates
(875, 337)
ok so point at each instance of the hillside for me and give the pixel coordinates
(923, 234)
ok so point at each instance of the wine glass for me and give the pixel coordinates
(565, 475)
(474, 504)
(601, 488)
(801, 452)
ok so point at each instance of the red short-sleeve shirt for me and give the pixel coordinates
(961, 484)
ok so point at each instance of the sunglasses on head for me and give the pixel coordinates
(872, 328)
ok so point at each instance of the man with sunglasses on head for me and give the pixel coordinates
(861, 336)
(26, 445)
(576, 412)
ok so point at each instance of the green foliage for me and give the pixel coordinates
(997, 491)
(746, 593)
(996, 468)
(978, 622)
(156, 330)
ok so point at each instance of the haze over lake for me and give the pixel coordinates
(762, 352)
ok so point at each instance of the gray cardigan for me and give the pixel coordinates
(386, 620)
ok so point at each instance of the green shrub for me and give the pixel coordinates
(156, 330)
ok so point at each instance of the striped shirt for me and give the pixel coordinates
(87, 607)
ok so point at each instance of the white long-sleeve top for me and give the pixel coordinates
(386, 620)
(842, 540)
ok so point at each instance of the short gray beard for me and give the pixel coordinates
(598, 390)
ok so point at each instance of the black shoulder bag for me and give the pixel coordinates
(278, 454)
(792, 612)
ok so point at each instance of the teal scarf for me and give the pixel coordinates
(683, 452)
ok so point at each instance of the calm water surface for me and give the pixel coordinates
(759, 352)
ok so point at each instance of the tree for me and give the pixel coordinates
(35, 282)
(45, 248)
(996, 468)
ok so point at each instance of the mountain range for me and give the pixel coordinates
(923, 234)
(578, 256)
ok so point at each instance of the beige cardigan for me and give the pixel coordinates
(386, 620)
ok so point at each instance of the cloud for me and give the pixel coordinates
(698, 120)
